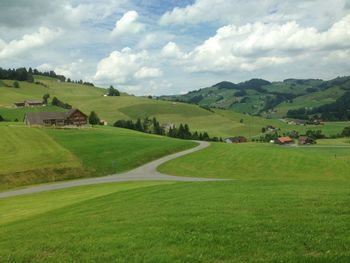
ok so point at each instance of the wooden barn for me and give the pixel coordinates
(30, 103)
(73, 117)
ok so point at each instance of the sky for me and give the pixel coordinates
(150, 47)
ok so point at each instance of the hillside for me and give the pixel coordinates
(285, 204)
(272, 99)
(38, 155)
(87, 98)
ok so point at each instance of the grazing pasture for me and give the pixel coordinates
(216, 122)
(256, 161)
(233, 221)
(39, 155)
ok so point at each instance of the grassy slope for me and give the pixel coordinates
(264, 161)
(11, 114)
(107, 150)
(257, 221)
(37, 155)
(252, 125)
(310, 100)
(125, 107)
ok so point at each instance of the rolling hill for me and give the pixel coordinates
(285, 204)
(39, 155)
(216, 122)
(261, 97)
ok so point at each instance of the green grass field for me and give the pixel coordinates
(219, 123)
(11, 114)
(238, 221)
(38, 155)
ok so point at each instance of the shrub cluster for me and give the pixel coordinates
(59, 103)
(153, 126)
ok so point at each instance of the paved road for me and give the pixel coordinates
(147, 172)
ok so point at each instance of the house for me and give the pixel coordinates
(168, 126)
(237, 139)
(30, 103)
(103, 122)
(73, 117)
(304, 140)
(284, 140)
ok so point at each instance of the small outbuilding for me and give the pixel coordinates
(305, 140)
(284, 140)
(237, 139)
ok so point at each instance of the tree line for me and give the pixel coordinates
(22, 74)
(336, 111)
(152, 125)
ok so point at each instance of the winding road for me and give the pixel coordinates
(147, 172)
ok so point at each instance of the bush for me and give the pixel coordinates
(1, 118)
(346, 132)
(16, 84)
(93, 118)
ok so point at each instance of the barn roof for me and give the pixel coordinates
(285, 139)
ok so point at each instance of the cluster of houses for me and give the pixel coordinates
(305, 122)
(286, 140)
(73, 117)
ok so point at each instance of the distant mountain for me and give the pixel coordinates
(261, 97)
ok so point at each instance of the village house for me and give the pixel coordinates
(304, 140)
(284, 140)
(237, 139)
(30, 103)
(168, 126)
(73, 117)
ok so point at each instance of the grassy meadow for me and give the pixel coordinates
(38, 155)
(219, 123)
(231, 221)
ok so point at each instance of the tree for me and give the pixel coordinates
(113, 92)
(1, 118)
(346, 132)
(45, 98)
(16, 84)
(55, 101)
(93, 118)
(138, 125)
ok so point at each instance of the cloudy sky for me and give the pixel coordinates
(173, 46)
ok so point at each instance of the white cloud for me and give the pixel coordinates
(71, 70)
(311, 12)
(126, 67)
(154, 39)
(127, 25)
(261, 45)
(29, 41)
(146, 72)
(171, 50)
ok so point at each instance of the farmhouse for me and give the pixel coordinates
(168, 126)
(30, 103)
(237, 139)
(72, 117)
(284, 140)
(304, 140)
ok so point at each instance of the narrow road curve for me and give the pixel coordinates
(147, 172)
